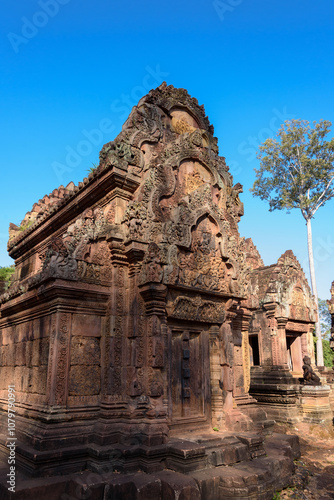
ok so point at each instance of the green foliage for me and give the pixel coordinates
(215, 429)
(297, 169)
(93, 168)
(6, 274)
(328, 352)
(325, 319)
(25, 224)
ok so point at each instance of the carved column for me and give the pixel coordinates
(118, 314)
(245, 349)
(216, 378)
(227, 359)
(281, 343)
(135, 331)
(59, 359)
(241, 389)
(239, 324)
(276, 331)
(154, 295)
(310, 346)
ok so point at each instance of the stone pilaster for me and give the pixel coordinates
(281, 342)
(216, 376)
(59, 359)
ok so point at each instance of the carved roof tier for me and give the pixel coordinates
(285, 284)
(161, 115)
(161, 194)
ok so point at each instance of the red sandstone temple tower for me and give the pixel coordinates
(126, 324)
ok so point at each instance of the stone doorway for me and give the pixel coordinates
(294, 352)
(189, 376)
(254, 351)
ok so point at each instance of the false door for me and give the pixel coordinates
(189, 375)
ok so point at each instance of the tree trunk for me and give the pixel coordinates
(320, 355)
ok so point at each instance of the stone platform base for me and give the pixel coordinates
(209, 467)
(294, 404)
(284, 399)
(315, 404)
(328, 375)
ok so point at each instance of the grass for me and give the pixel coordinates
(25, 224)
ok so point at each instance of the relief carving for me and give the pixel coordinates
(154, 229)
(58, 261)
(62, 362)
(198, 309)
(151, 270)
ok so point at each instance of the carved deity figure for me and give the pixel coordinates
(310, 378)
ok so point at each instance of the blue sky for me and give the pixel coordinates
(71, 71)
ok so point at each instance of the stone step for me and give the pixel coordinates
(253, 478)
(256, 479)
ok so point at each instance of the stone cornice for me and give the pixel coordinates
(60, 293)
(91, 191)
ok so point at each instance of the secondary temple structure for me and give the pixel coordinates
(331, 310)
(281, 337)
(135, 319)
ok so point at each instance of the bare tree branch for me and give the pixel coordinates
(322, 194)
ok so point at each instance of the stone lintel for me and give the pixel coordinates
(297, 326)
(230, 299)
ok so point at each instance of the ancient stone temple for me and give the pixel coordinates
(125, 328)
(283, 325)
(280, 336)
